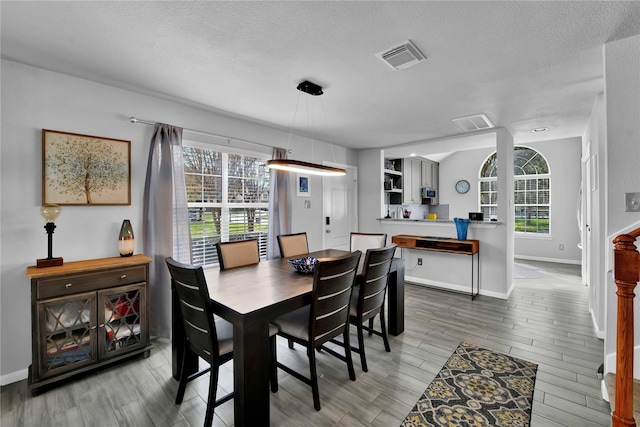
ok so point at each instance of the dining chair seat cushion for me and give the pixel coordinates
(295, 323)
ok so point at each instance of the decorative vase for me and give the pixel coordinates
(462, 225)
(126, 242)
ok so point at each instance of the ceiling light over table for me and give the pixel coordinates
(300, 166)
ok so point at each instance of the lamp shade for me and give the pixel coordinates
(50, 212)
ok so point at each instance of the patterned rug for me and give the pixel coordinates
(477, 387)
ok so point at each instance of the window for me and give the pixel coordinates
(228, 199)
(531, 185)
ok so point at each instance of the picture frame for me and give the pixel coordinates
(85, 170)
(302, 186)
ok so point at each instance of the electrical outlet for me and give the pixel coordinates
(561, 247)
(419, 261)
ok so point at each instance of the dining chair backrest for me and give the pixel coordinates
(191, 289)
(374, 279)
(238, 253)
(293, 244)
(363, 241)
(332, 286)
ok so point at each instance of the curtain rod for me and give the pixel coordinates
(228, 138)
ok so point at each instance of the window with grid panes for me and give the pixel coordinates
(228, 199)
(531, 186)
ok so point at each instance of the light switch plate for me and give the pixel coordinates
(307, 204)
(632, 202)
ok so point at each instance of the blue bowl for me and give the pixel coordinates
(305, 265)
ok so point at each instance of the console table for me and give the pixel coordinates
(445, 244)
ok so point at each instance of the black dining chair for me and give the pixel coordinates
(325, 318)
(293, 244)
(238, 253)
(210, 339)
(367, 300)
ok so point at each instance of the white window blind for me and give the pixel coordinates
(228, 199)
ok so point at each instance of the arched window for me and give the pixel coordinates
(531, 185)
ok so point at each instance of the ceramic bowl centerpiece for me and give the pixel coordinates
(305, 265)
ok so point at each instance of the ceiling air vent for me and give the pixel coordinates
(402, 56)
(475, 122)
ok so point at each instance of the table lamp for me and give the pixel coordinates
(50, 212)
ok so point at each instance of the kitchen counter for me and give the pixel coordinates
(436, 221)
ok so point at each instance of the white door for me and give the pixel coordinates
(340, 212)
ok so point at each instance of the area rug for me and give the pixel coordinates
(526, 271)
(477, 387)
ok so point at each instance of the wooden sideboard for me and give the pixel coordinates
(87, 314)
(445, 244)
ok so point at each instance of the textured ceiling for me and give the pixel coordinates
(525, 64)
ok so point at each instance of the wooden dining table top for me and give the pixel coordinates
(248, 289)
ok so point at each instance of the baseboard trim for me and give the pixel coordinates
(610, 362)
(558, 260)
(14, 377)
(599, 332)
(465, 289)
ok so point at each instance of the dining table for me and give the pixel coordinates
(250, 297)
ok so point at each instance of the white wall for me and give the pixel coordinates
(622, 99)
(33, 99)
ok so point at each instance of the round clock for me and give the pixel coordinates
(462, 186)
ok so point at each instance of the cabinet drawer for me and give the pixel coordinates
(72, 283)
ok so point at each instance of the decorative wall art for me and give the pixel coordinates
(303, 186)
(85, 170)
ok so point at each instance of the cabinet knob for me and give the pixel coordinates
(68, 285)
(124, 276)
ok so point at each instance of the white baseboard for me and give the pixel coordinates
(600, 333)
(603, 391)
(610, 362)
(14, 377)
(466, 289)
(558, 260)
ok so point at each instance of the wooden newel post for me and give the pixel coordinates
(626, 261)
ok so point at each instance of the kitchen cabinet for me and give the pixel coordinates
(411, 182)
(87, 314)
(426, 177)
(430, 177)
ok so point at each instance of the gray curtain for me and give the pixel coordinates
(166, 221)
(279, 206)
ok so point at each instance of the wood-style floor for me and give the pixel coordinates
(545, 321)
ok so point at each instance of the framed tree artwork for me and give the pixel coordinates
(85, 170)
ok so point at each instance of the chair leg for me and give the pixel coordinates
(371, 326)
(211, 400)
(363, 358)
(291, 344)
(274, 367)
(182, 386)
(347, 353)
(383, 325)
(314, 378)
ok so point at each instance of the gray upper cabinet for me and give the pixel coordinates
(411, 181)
(427, 180)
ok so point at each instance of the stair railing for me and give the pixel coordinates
(626, 273)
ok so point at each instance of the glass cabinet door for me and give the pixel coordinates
(67, 333)
(124, 318)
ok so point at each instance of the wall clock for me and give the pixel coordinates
(462, 186)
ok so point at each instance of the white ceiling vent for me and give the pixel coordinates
(475, 122)
(401, 56)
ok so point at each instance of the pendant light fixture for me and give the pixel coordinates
(300, 166)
